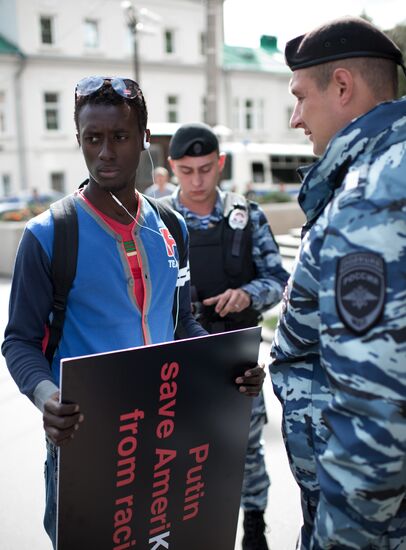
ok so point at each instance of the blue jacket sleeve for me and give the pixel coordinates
(31, 301)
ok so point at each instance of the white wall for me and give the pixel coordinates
(273, 90)
(58, 68)
(9, 150)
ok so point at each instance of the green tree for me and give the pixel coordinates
(365, 16)
(398, 35)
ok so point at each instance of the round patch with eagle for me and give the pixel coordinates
(360, 290)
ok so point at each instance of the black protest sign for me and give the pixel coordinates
(158, 461)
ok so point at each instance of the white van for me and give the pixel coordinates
(260, 168)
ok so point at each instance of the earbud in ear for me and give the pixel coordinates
(146, 143)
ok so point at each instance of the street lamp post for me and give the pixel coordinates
(211, 61)
(132, 23)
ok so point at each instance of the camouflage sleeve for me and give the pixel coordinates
(298, 381)
(362, 471)
(267, 287)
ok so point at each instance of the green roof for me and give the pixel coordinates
(266, 58)
(7, 47)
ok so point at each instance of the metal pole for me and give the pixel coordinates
(131, 17)
(22, 153)
(136, 62)
(136, 58)
(211, 62)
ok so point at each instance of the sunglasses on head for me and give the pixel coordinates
(122, 86)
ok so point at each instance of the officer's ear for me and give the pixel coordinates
(221, 161)
(171, 164)
(343, 82)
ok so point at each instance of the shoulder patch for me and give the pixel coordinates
(238, 218)
(360, 290)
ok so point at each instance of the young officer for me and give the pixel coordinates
(116, 300)
(236, 273)
(339, 362)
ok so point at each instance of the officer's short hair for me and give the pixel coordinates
(193, 140)
(380, 75)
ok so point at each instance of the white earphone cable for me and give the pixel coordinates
(153, 231)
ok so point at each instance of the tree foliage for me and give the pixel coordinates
(398, 35)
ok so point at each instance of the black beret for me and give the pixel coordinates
(193, 140)
(340, 39)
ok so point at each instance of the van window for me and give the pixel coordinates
(144, 170)
(284, 167)
(227, 173)
(258, 172)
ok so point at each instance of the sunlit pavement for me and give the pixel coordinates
(22, 458)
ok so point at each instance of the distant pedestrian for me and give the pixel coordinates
(162, 186)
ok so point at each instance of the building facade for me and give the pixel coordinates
(47, 46)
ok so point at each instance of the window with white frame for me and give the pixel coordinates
(51, 111)
(260, 116)
(6, 185)
(203, 43)
(47, 29)
(91, 33)
(204, 108)
(58, 181)
(248, 114)
(3, 121)
(172, 102)
(169, 38)
(236, 113)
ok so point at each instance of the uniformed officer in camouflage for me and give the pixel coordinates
(236, 273)
(339, 356)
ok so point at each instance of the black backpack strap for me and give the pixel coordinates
(63, 266)
(171, 221)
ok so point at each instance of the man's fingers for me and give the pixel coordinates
(250, 384)
(62, 422)
(61, 437)
(253, 391)
(210, 301)
(257, 373)
(230, 301)
(221, 301)
(60, 409)
(60, 429)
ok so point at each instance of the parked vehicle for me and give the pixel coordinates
(253, 169)
(26, 204)
(257, 169)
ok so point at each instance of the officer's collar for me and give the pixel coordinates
(323, 177)
(215, 215)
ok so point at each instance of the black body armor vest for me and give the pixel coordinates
(220, 258)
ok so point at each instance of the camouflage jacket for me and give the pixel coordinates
(339, 356)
